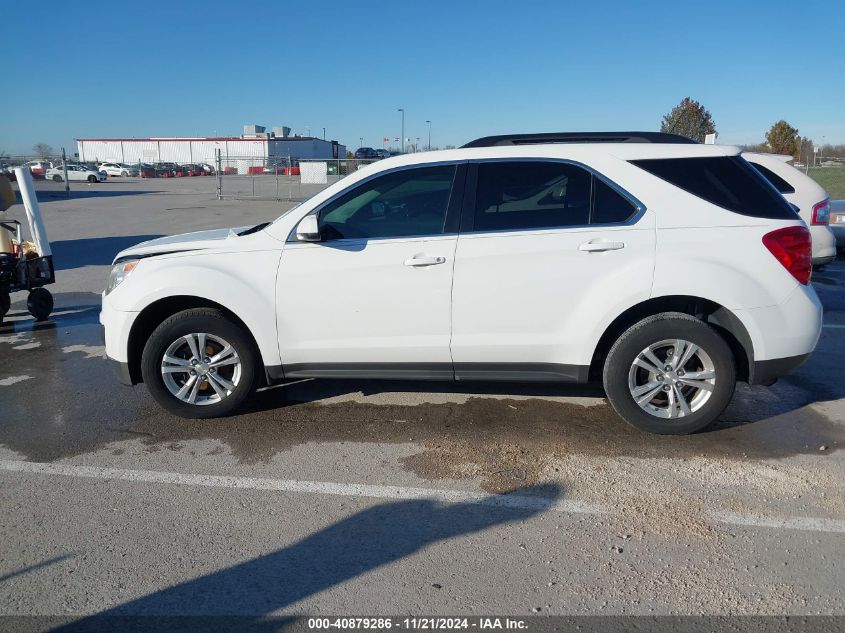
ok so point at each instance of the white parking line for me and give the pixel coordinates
(392, 492)
(811, 524)
(526, 502)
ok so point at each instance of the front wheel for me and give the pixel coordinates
(124, 173)
(199, 364)
(57, 178)
(92, 179)
(670, 374)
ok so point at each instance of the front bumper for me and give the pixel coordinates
(116, 326)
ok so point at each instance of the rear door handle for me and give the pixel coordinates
(597, 246)
(424, 260)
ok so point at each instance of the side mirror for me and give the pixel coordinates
(308, 229)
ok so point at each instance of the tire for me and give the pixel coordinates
(5, 304)
(57, 178)
(124, 173)
(622, 377)
(40, 303)
(92, 179)
(212, 398)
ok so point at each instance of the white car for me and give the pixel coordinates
(666, 270)
(805, 193)
(116, 169)
(75, 172)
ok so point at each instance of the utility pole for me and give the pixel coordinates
(64, 169)
(402, 110)
(324, 134)
(429, 135)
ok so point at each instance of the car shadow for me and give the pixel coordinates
(92, 251)
(365, 541)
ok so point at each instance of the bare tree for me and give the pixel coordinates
(42, 150)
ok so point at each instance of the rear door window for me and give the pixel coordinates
(531, 195)
(726, 181)
(525, 195)
(609, 206)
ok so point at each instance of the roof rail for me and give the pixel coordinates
(578, 137)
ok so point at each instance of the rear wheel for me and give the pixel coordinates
(124, 173)
(57, 178)
(670, 374)
(199, 364)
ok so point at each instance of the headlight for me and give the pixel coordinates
(119, 272)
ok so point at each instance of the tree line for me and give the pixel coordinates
(691, 119)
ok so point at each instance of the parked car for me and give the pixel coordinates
(39, 168)
(147, 170)
(191, 169)
(365, 152)
(665, 270)
(166, 170)
(119, 169)
(811, 200)
(76, 172)
(382, 153)
(207, 170)
(837, 222)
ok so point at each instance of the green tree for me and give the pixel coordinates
(782, 138)
(804, 150)
(689, 118)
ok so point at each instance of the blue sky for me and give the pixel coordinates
(129, 69)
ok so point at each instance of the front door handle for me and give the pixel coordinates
(598, 246)
(424, 260)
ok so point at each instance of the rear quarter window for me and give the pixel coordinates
(726, 181)
(777, 182)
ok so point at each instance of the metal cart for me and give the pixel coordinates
(19, 272)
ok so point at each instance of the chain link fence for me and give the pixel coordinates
(229, 176)
(279, 177)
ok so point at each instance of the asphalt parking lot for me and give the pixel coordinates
(379, 498)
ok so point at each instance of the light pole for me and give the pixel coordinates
(402, 110)
(429, 135)
(361, 142)
(324, 134)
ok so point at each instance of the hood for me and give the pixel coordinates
(180, 243)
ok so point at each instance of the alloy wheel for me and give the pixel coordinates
(201, 368)
(672, 378)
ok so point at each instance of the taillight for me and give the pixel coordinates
(821, 212)
(792, 247)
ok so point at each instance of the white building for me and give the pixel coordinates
(240, 151)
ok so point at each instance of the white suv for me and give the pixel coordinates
(665, 269)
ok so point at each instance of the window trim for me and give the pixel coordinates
(453, 210)
(468, 211)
